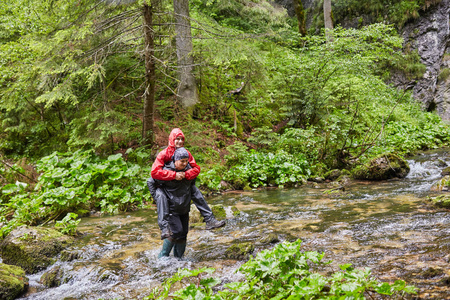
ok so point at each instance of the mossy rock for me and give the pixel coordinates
(333, 174)
(13, 282)
(441, 201)
(195, 216)
(33, 248)
(446, 171)
(219, 212)
(52, 278)
(383, 167)
(236, 211)
(240, 251)
(441, 185)
(271, 238)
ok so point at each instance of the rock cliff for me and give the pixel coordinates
(429, 35)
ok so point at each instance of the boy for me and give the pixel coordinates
(176, 140)
(177, 194)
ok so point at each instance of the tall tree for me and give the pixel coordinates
(327, 14)
(150, 76)
(300, 13)
(187, 88)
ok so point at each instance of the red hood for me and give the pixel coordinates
(176, 132)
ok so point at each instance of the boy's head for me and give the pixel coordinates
(180, 158)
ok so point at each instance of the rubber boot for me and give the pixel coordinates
(178, 249)
(166, 248)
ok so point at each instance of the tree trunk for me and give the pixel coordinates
(187, 88)
(328, 19)
(150, 77)
(300, 12)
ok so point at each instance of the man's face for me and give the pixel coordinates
(179, 142)
(181, 164)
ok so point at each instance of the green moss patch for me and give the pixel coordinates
(12, 281)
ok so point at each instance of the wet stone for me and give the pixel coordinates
(240, 251)
(431, 273)
(445, 281)
(271, 238)
(383, 167)
(52, 278)
(33, 248)
(12, 282)
(69, 255)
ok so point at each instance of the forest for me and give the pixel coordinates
(90, 90)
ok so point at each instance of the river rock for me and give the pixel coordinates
(441, 185)
(13, 282)
(441, 201)
(271, 238)
(240, 251)
(195, 217)
(33, 248)
(52, 278)
(385, 166)
(445, 171)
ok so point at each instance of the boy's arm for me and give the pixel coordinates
(195, 169)
(157, 169)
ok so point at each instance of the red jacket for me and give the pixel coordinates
(166, 156)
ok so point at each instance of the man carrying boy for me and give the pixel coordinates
(176, 140)
(177, 193)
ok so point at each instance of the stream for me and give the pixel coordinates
(387, 226)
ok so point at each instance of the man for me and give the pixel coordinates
(176, 140)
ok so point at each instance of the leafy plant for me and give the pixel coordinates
(68, 225)
(282, 273)
(262, 169)
(72, 181)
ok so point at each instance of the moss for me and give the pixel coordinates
(52, 278)
(382, 167)
(271, 238)
(236, 211)
(33, 248)
(333, 174)
(441, 201)
(444, 74)
(239, 251)
(219, 212)
(12, 281)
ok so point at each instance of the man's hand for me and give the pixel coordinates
(179, 176)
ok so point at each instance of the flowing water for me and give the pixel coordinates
(387, 226)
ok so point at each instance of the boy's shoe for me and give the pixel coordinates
(214, 223)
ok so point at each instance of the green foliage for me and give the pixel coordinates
(262, 169)
(397, 12)
(68, 225)
(70, 181)
(421, 134)
(282, 273)
(255, 17)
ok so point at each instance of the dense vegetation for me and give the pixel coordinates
(72, 81)
(282, 273)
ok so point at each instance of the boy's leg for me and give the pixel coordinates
(205, 210)
(162, 207)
